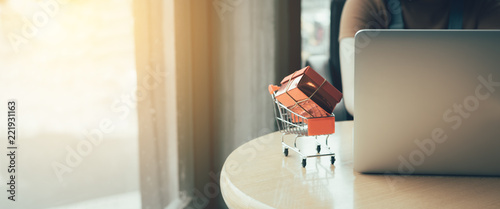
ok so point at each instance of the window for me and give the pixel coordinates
(315, 28)
(71, 67)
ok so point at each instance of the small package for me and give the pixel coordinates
(307, 93)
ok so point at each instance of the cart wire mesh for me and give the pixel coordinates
(290, 122)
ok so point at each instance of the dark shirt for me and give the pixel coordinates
(417, 14)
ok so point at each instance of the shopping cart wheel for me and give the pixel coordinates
(303, 163)
(332, 159)
(318, 148)
(285, 151)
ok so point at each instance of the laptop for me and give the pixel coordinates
(427, 102)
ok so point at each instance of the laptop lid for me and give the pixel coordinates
(427, 102)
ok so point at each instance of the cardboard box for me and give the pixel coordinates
(307, 93)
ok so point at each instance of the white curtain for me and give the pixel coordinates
(252, 50)
(219, 57)
(256, 44)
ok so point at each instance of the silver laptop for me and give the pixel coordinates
(427, 102)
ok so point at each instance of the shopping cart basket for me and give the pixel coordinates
(291, 123)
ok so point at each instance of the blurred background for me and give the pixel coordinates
(69, 66)
(315, 29)
(136, 104)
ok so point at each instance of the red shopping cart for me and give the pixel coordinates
(291, 123)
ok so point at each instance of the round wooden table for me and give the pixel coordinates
(258, 175)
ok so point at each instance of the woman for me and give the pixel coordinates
(407, 14)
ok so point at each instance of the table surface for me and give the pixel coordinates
(258, 175)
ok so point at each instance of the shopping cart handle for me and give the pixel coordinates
(273, 88)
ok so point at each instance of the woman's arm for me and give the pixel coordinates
(346, 51)
(356, 15)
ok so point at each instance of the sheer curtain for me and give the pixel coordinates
(252, 50)
(214, 59)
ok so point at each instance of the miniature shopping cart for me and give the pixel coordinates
(291, 123)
